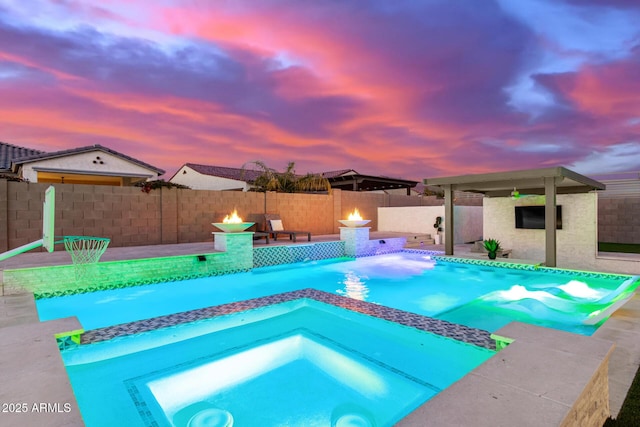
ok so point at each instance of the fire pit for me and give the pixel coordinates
(232, 223)
(354, 220)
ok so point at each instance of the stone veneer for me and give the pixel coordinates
(591, 408)
(236, 255)
(357, 243)
(52, 281)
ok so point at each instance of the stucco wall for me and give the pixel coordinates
(467, 225)
(576, 241)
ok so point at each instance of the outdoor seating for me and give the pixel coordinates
(274, 227)
(258, 229)
(259, 234)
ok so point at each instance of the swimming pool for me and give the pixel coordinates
(140, 370)
(301, 362)
(478, 296)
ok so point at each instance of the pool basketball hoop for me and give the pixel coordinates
(85, 252)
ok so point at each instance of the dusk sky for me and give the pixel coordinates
(408, 89)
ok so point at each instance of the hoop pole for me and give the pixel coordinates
(21, 249)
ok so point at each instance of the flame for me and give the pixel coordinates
(355, 216)
(233, 219)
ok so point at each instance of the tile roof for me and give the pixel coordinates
(333, 174)
(9, 152)
(41, 155)
(247, 175)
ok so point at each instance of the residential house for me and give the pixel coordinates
(204, 177)
(94, 164)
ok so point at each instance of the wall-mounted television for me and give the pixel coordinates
(532, 217)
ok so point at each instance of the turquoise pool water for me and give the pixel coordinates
(477, 296)
(299, 363)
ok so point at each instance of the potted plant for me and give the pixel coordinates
(492, 246)
(438, 228)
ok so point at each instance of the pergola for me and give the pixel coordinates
(546, 181)
(359, 182)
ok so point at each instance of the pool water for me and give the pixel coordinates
(298, 363)
(477, 296)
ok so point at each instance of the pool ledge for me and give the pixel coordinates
(545, 377)
(35, 387)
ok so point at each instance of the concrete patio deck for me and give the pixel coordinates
(45, 380)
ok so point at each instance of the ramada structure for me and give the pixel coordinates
(548, 182)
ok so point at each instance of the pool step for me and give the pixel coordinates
(418, 240)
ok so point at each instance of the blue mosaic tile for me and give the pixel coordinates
(277, 255)
(462, 333)
(529, 267)
(65, 343)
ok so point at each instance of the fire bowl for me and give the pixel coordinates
(354, 222)
(230, 227)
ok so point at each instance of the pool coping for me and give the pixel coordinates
(33, 374)
(545, 377)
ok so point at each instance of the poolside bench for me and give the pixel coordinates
(270, 219)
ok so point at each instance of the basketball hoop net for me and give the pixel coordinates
(85, 252)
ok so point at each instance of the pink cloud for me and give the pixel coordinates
(328, 85)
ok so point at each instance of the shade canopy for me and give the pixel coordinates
(359, 182)
(530, 181)
(547, 181)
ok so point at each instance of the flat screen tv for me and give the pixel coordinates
(533, 217)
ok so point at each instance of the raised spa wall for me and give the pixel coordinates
(235, 253)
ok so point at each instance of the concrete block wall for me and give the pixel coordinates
(4, 215)
(619, 220)
(130, 217)
(197, 209)
(309, 212)
(366, 203)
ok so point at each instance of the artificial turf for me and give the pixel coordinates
(629, 248)
(630, 412)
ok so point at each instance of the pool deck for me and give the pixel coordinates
(545, 370)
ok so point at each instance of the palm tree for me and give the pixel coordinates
(286, 182)
(313, 182)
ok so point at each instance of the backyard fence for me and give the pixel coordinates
(130, 217)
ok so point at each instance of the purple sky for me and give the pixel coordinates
(410, 89)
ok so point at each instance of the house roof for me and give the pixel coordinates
(238, 174)
(333, 174)
(41, 155)
(9, 152)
